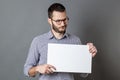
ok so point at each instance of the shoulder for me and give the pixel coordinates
(40, 38)
(74, 38)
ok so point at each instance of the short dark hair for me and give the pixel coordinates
(55, 7)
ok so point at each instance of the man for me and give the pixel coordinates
(36, 62)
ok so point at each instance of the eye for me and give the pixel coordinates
(58, 21)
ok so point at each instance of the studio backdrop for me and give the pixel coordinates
(96, 21)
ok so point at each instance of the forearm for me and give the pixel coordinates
(32, 71)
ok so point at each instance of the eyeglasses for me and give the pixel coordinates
(59, 21)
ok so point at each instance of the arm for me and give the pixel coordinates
(32, 59)
(43, 69)
(32, 72)
(93, 51)
(31, 67)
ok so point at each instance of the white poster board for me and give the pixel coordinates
(69, 58)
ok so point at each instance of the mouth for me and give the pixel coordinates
(63, 27)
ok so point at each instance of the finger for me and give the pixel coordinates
(47, 72)
(50, 70)
(90, 44)
(92, 49)
(93, 54)
(52, 67)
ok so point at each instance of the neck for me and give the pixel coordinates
(57, 35)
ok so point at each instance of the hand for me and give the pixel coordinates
(45, 69)
(92, 49)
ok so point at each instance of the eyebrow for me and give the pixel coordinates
(62, 19)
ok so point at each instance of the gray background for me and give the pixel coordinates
(97, 21)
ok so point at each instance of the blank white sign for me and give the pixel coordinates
(69, 58)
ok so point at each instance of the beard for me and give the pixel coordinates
(58, 29)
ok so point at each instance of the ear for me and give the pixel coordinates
(49, 21)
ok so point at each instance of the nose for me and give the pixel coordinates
(63, 23)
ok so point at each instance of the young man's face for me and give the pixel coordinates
(59, 22)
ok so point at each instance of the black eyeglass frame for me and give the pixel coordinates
(59, 21)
